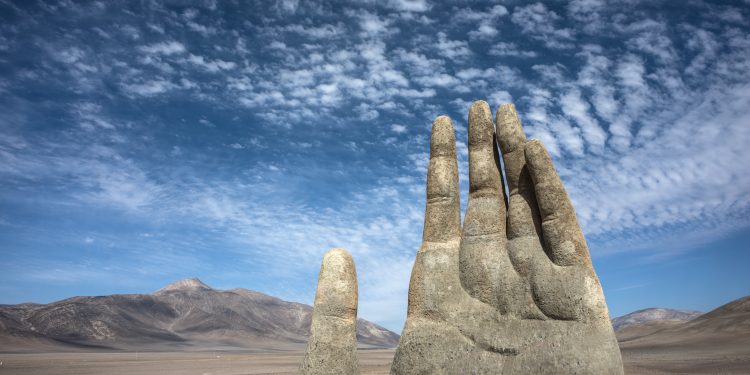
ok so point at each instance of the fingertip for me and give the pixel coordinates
(479, 105)
(535, 151)
(337, 284)
(442, 123)
(506, 109)
(481, 129)
(533, 144)
(479, 110)
(339, 264)
(443, 138)
(537, 159)
(337, 254)
(340, 261)
(441, 120)
(509, 129)
(442, 214)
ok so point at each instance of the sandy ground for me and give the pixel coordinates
(371, 362)
(201, 363)
(685, 361)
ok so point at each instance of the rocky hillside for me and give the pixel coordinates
(727, 325)
(653, 314)
(187, 314)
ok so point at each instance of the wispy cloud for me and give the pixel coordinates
(629, 287)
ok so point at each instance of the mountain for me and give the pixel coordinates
(714, 342)
(726, 324)
(722, 334)
(647, 315)
(185, 315)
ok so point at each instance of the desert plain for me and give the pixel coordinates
(371, 361)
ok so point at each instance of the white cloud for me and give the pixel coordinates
(206, 31)
(380, 68)
(673, 179)
(706, 46)
(485, 20)
(731, 14)
(366, 113)
(500, 97)
(419, 64)
(396, 128)
(588, 14)
(655, 43)
(90, 117)
(452, 49)
(260, 98)
(554, 131)
(149, 88)
(69, 55)
(126, 186)
(631, 72)
(474, 73)
(277, 45)
(240, 84)
(473, 15)
(483, 31)
(409, 5)
(538, 22)
(212, 66)
(438, 80)
(372, 24)
(509, 49)
(324, 31)
(576, 108)
(164, 48)
(289, 6)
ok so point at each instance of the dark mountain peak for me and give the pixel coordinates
(192, 284)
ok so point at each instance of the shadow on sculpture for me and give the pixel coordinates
(512, 290)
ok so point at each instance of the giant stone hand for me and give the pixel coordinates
(514, 290)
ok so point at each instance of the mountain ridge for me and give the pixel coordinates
(184, 315)
(728, 323)
(653, 313)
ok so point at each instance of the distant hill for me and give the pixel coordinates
(727, 324)
(185, 315)
(715, 342)
(647, 315)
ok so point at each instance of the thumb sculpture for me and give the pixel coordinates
(332, 347)
(513, 290)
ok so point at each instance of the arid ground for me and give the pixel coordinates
(203, 363)
(373, 361)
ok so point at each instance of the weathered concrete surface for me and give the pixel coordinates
(513, 291)
(332, 347)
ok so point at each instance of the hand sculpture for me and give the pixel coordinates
(332, 347)
(514, 290)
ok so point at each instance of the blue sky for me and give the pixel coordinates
(145, 142)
